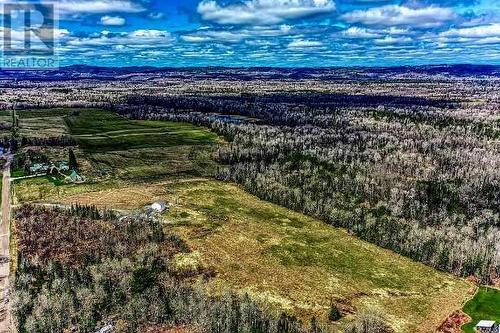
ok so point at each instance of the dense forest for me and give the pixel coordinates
(416, 175)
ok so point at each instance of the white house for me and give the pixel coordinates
(106, 329)
(159, 206)
(487, 326)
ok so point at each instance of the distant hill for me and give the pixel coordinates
(84, 72)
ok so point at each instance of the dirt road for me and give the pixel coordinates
(6, 323)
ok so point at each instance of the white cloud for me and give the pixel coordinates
(82, 7)
(393, 15)
(282, 30)
(195, 39)
(156, 15)
(17, 38)
(143, 33)
(235, 36)
(262, 12)
(478, 35)
(112, 20)
(304, 44)
(388, 40)
(355, 32)
(224, 36)
(492, 30)
(135, 39)
(487, 40)
(18, 35)
(396, 31)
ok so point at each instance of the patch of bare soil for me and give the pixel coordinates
(453, 323)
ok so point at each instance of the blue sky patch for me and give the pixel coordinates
(285, 33)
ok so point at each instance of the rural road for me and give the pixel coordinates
(6, 322)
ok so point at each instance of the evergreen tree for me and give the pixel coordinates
(73, 164)
(334, 314)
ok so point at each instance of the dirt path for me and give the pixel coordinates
(6, 323)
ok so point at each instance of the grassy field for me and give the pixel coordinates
(115, 148)
(141, 150)
(42, 123)
(101, 131)
(43, 127)
(6, 120)
(292, 261)
(484, 306)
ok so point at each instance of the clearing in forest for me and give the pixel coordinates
(293, 261)
(114, 148)
(141, 150)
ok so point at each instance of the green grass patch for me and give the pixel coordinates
(42, 127)
(154, 163)
(286, 259)
(43, 113)
(135, 150)
(18, 173)
(102, 131)
(47, 189)
(116, 150)
(56, 180)
(484, 306)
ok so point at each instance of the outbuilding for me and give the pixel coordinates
(159, 206)
(487, 326)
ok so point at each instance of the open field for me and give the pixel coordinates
(43, 127)
(293, 261)
(42, 123)
(44, 113)
(484, 306)
(141, 150)
(116, 148)
(101, 131)
(5, 123)
(276, 255)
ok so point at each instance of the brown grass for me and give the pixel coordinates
(294, 262)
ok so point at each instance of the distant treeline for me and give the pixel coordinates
(55, 141)
(292, 109)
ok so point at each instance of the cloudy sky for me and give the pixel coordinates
(304, 33)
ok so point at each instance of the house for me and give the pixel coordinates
(159, 206)
(106, 329)
(37, 168)
(487, 326)
(63, 166)
(75, 177)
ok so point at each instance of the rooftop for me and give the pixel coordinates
(486, 323)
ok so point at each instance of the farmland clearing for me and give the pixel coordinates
(276, 255)
(292, 261)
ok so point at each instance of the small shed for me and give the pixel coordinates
(487, 326)
(159, 206)
(106, 329)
